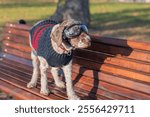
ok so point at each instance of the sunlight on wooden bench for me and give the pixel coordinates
(110, 69)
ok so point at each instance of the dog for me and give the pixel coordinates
(52, 46)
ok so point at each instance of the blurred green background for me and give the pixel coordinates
(108, 18)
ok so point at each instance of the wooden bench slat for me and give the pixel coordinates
(16, 39)
(122, 42)
(132, 74)
(113, 79)
(17, 32)
(112, 50)
(121, 52)
(15, 80)
(115, 90)
(5, 87)
(95, 56)
(89, 84)
(105, 58)
(18, 26)
(132, 94)
(88, 87)
(99, 39)
(115, 50)
(25, 75)
(124, 88)
(109, 69)
(22, 75)
(23, 81)
(9, 78)
(18, 46)
(74, 78)
(16, 59)
(16, 52)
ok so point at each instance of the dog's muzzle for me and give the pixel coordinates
(86, 43)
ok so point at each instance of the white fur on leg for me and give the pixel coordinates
(44, 81)
(35, 74)
(58, 82)
(68, 76)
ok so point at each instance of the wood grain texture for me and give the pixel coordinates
(110, 69)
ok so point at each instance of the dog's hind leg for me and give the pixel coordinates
(44, 82)
(35, 74)
(69, 85)
(58, 82)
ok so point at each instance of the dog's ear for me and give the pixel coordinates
(56, 34)
(57, 31)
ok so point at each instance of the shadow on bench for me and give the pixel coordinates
(110, 69)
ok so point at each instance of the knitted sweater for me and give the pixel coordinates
(41, 42)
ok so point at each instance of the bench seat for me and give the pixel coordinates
(110, 69)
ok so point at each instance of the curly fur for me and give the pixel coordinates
(40, 65)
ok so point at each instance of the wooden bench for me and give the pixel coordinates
(110, 69)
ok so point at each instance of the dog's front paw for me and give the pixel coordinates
(60, 84)
(31, 85)
(74, 97)
(45, 92)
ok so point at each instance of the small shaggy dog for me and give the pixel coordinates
(52, 44)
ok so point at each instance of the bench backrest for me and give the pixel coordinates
(109, 69)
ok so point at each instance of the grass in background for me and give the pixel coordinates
(125, 20)
(31, 12)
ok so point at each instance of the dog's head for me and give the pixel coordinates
(71, 33)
